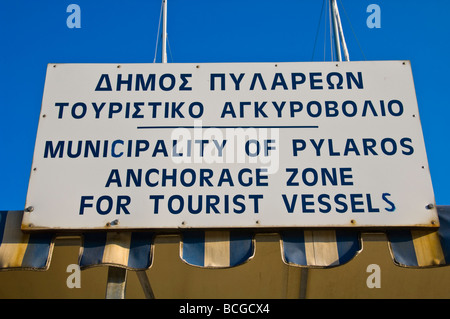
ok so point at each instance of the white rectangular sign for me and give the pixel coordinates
(227, 145)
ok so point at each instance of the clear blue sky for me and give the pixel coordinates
(34, 33)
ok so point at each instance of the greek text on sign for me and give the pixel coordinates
(229, 145)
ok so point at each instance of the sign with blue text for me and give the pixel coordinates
(229, 145)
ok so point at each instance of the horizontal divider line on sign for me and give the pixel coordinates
(206, 127)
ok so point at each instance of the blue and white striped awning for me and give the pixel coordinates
(422, 248)
(22, 251)
(222, 248)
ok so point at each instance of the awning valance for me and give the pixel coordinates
(221, 248)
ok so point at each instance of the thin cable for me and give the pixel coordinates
(168, 45)
(157, 34)
(317, 32)
(353, 31)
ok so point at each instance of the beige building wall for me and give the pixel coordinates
(265, 276)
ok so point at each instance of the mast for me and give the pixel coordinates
(337, 44)
(164, 33)
(338, 32)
